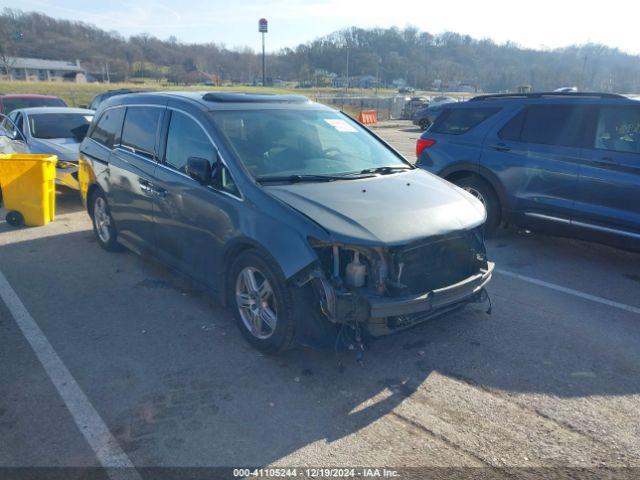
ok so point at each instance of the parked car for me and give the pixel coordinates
(565, 161)
(11, 102)
(406, 90)
(411, 105)
(308, 225)
(54, 130)
(101, 97)
(425, 117)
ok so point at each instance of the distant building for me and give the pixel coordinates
(40, 70)
(363, 81)
(466, 87)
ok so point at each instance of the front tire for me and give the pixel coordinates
(104, 227)
(487, 196)
(424, 124)
(262, 301)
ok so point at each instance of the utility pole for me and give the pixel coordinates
(581, 85)
(347, 86)
(262, 28)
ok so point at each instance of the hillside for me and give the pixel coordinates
(421, 58)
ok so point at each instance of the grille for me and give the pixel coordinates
(433, 264)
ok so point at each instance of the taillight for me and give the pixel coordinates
(422, 144)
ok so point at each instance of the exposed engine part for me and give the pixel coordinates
(327, 295)
(356, 272)
(383, 271)
(336, 261)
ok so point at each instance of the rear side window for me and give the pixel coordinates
(140, 129)
(618, 129)
(456, 121)
(513, 128)
(107, 130)
(560, 125)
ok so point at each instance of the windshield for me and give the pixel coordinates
(59, 125)
(302, 142)
(11, 104)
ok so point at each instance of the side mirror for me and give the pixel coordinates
(8, 129)
(199, 169)
(12, 135)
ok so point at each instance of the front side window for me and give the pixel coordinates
(187, 139)
(618, 129)
(140, 129)
(59, 125)
(274, 143)
(560, 125)
(107, 131)
(456, 121)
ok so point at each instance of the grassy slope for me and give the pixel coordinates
(76, 94)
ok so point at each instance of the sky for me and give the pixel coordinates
(234, 23)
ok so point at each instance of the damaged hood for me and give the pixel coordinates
(384, 210)
(66, 149)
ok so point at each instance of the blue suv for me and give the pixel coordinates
(565, 162)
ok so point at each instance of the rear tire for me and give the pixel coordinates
(424, 123)
(263, 304)
(484, 192)
(104, 227)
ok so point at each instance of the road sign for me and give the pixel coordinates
(262, 25)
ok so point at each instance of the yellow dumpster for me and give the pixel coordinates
(28, 188)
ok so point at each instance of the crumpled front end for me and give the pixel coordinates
(386, 289)
(67, 174)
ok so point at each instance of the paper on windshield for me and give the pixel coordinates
(340, 125)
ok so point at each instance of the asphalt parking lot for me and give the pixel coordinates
(113, 358)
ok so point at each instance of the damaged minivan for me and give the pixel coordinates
(305, 223)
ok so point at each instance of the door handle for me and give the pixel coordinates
(145, 186)
(501, 147)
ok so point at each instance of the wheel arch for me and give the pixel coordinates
(91, 190)
(463, 170)
(237, 247)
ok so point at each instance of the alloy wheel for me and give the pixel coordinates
(101, 219)
(256, 303)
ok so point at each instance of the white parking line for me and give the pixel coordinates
(570, 291)
(89, 422)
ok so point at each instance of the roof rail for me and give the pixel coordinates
(507, 96)
(241, 97)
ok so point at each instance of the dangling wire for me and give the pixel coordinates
(487, 298)
(338, 338)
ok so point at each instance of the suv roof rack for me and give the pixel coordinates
(241, 97)
(507, 96)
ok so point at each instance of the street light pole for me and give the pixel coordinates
(262, 28)
(347, 86)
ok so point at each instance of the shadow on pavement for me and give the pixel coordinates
(173, 378)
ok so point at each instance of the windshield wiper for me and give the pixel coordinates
(387, 169)
(309, 178)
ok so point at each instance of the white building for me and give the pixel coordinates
(40, 70)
